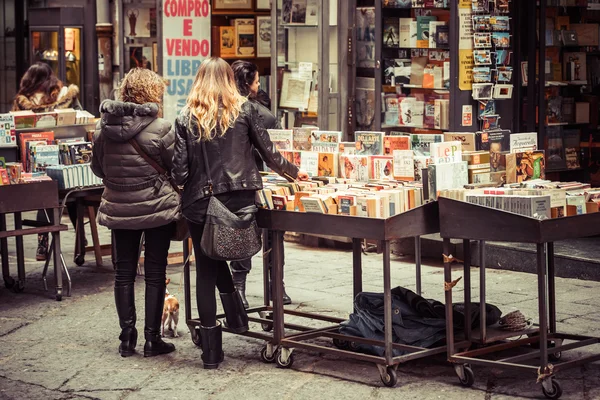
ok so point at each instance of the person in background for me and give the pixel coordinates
(247, 82)
(137, 200)
(41, 91)
(229, 126)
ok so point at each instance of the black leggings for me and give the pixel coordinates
(209, 274)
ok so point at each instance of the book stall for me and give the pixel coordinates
(50, 147)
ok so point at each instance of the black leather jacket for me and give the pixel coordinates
(269, 122)
(231, 162)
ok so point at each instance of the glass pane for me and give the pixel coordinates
(73, 55)
(45, 49)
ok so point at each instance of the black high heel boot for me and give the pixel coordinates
(239, 281)
(155, 299)
(235, 313)
(212, 346)
(125, 302)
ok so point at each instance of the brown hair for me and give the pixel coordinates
(142, 86)
(40, 78)
(214, 99)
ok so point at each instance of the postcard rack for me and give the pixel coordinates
(459, 220)
(280, 345)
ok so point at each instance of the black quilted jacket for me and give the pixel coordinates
(134, 196)
(230, 157)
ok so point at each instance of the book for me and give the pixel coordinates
(48, 137)
(309, 162)
(420, 143)
(446, 152)
(302, 138)
(421, 163)
(423, 30)
(43, 155)
(227, 41)
(433, 30)
(404, 32)
(525, 166)
(328, 164)
(392, 143)
(446, 176)
(441, 114)
(281, 138)
(555, 151)
(24, 119)
(381, 168)
(7, 130)
(404, 165)
(369, 143)
(575, 66)
(391, 32)
(354, 167)
(326, 141)
(347, 147)
(523, 142)
(467, 139)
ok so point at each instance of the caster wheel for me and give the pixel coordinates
(196, 336)
(555, 356)
(556, 391)
(267, 327)
(284, 364)
(79, 260)
(18, 287)
(341, 344)
(264, 356)
(469, 378)
(353, 346)
(390, 378)
(59, 295)
(9, 282)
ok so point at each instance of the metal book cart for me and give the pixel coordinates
(16, 199)
(279, 345)
(460, 220)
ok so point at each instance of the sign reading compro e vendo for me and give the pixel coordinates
(186, 42)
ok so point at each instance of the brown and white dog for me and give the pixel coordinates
(170, 316)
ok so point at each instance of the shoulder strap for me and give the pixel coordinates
(146, 157)
(208, 190)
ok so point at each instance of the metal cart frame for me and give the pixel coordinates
(460, 220)
(279, 345)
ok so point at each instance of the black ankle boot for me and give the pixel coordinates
(212, 346)
(239, 281)
(235, 313)
(286, 299)
(155, 346)
(125, 302)
(155, 300)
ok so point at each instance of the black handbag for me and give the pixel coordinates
(181, 227)
(228, 236)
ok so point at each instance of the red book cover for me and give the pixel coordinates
(27, 137)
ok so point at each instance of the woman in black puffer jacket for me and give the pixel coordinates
(137, 200)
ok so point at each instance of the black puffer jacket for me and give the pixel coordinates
(135, 196)
(230, 158)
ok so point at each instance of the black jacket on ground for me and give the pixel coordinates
(230, 158)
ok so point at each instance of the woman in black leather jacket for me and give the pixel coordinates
(246, 79)
(229, 126)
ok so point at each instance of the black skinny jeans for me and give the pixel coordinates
(209, 274)
(127, 247)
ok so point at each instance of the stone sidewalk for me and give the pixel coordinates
(68, 350)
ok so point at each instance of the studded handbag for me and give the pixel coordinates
(227, 235)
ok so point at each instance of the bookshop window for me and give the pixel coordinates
(140, 35)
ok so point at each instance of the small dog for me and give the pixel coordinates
(170, 316)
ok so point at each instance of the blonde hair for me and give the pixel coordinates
(142, 86)
(214, 99)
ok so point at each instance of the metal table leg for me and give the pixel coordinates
(20, 255)
(267, 258)
(277, 286)
(418, 262)
(467, 286)
(79, 257)
(9, 282)
(387, 308)
(482, 287)
(448, 298)
(543, 312)
(57, 258)
(551, 288)
(357, 266)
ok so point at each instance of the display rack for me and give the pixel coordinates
(459, 220)
(458, 98)
(16, 199)
(280, 345)
(315, 41)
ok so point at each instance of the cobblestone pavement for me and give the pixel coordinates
(68, 350)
